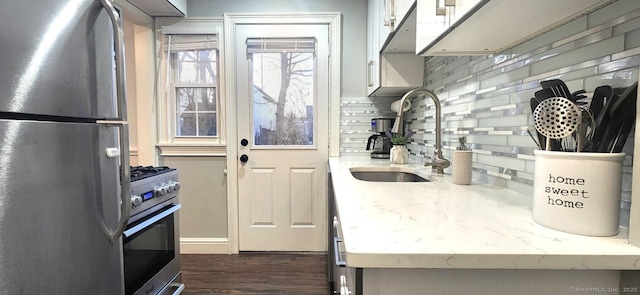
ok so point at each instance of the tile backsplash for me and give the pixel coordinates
(355, 121)
(486, 98)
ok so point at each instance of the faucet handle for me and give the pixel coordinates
(438, 164)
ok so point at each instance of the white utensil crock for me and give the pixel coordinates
(578, 193)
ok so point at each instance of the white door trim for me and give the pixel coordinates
(230, 21)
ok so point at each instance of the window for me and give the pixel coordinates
(190, 99)
(283, 76)
(193, 79)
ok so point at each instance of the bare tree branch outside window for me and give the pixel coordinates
(196, 94)
(283, 98)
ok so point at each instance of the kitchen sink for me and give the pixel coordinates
(386, 175)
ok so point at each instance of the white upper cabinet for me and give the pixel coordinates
(161, 7)
(431, 22)
(373, 45)
(401, 9)
(459, 9)
(393, 66)
(491, 26)
(436, 16)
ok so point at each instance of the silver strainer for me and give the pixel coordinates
(556, 117)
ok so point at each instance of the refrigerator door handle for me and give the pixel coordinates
(125, 184)
(125, 179)
(118, 37)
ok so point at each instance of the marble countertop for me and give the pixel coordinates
(441, 225)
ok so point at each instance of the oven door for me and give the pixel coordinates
(151, 251)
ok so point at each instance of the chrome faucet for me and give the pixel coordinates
(438, 162)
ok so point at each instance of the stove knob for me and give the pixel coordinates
(176, 186)
(161, 191)
(136, 201)
(169, 188)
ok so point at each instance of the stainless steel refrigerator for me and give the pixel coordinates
(64, 168)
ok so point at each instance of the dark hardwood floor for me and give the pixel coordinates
(255, 273)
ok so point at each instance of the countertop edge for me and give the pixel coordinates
(494, 261)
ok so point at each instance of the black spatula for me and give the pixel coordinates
(558, 87)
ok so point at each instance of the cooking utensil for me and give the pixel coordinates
(586, 128)
(601, 95)
(578, 95)
(621, 138)
(542, 140)
(621, 114)
(536, 138)
(556, 118)
(602, 121)
(558, 87)
(544, 94)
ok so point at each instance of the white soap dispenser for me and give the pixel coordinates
(462, 160)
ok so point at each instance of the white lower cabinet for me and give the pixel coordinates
(386, 281)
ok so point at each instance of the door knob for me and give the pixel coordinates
(244, 142)
(244, 158)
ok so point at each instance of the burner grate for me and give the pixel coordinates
(142, 172)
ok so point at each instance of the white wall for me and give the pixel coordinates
(140, 84)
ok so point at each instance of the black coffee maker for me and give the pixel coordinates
(380, 144)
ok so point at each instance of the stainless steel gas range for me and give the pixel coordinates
(151, 242)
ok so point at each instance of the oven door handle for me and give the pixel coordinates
(179, 288)
(132, 231)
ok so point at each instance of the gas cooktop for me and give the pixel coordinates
(151, 186)
(142, 172)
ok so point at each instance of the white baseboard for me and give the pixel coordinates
(204, 246)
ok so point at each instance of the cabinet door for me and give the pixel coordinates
(460, 9)
(388, 74)
(402, 8)
(384, 21)
(373, 45)
(429, 25)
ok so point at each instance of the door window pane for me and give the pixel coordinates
(283, 98)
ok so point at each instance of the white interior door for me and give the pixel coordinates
(282, 83)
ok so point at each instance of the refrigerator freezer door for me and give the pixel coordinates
(58, 193)
(57, 59)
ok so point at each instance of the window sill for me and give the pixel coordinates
(192, 150)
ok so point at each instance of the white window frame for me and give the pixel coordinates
(173, 87)
(169, 144)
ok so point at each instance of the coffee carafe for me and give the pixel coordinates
(379, 143)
